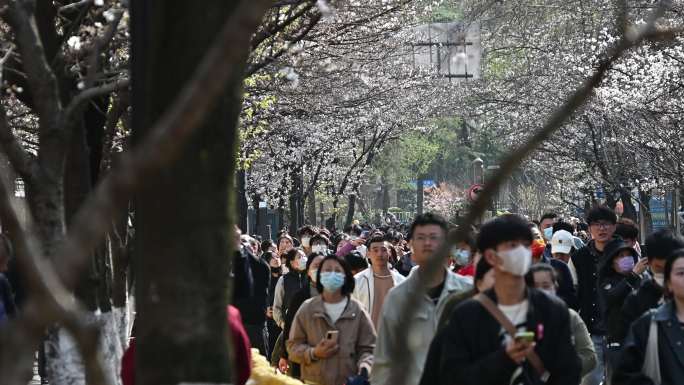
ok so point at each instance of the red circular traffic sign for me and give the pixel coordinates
(474, 190)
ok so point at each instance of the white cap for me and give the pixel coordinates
(561, 242)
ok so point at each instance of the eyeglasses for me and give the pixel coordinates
(601, 225)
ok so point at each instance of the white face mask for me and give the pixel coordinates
(319, 248)
(302, 264)
(516, 261)
(306, 241)
(659, 278)
(549, 292)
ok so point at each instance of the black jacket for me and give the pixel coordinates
(647, 297)
(8, 308)
(613, 290)
(586, 261)
(670, 349)
(293, 282)
(258, 278)
(297, 300)
(566, 289)
(471, 352)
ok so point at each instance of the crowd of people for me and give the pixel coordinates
(555, 301)
(552, 301)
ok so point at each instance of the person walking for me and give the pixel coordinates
(650, 293)
(511, 334)
(543, 277)
(601, 220)
(652, 352)
(289, 284)
(426, 236)
(332, 337)
(373, 283)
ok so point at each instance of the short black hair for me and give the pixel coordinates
(428, 219)
(310, 258)
(319, 237)
(394, 236)
(601, 213)
(538, 268)
(627, 229)
(548, 215)
(284, 236)
(508, 227)
(349, 281)
(661, 244)
(671, 259)
(356, 261)
(471, 241)
(308, 229)
(290, 256)
(562, 225)
(356, 230)
(375, 239)
(268, 256)
(266, 244)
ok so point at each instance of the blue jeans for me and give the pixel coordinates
(597, 375)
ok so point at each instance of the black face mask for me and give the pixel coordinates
(276, 270)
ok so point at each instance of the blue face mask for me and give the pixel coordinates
(460, 257)
(548, 233)
(332, 281)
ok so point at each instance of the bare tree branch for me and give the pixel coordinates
(492, 185)
(76, 6)
(166, 138)
(49, 302)
(40, 77)
(71, 111)
(255, 67)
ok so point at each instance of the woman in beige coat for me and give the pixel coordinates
(332, 337)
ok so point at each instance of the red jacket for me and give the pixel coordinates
(241, 346)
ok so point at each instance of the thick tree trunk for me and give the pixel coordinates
(419, 196)
(311, 207)
(243, 207)
(645, 198)
(385, 196)
(629, 211)
(350, 210)
(184, 215)
(295, 202)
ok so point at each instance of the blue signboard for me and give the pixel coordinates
(426, 183)
(659, 209)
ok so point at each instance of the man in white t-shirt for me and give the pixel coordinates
(373, 283)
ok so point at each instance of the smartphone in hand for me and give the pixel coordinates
(332, 335)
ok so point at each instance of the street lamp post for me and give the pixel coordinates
(478, 171)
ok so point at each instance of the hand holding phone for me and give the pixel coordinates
(328, 346)
(332, 335)
(524, 337)
(640, 266)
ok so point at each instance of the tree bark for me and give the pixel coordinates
(243, 207)
(311, 207)
(350, 210)
(184, 214)
(419, 196)
(645, 197)
(629, 211)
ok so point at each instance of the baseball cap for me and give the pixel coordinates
(561, 242)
